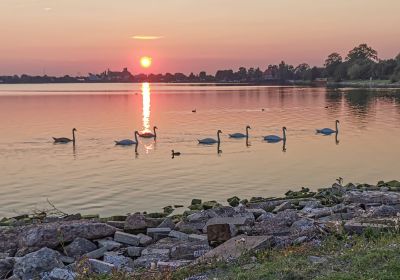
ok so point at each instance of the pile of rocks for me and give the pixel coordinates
(60, 248)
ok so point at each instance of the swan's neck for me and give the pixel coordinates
(155, 134)
(337, 128)
(284, 134)
(136, 137)
(73, 136)
(218, 137)
(247, 132)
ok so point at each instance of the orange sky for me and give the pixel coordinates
(80, 36)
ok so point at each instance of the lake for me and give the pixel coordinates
(95, 176)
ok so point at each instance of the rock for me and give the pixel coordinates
(167, 223)
(139, 223)
(317, 260)
(257, 212)
(52, 234)
(278, 225)
(196, 201)
(310, 204)
(210, 204)
(126, 238)
(79, 247)
(109, 244)
(300, 240)
(33, 264)
(152, 255)
(368, 197)
(266, 216)
(134, 251)
(101, 267)
(6, 267)
(97, 254)
(144, 240)
(358, 227)
(119, 261)
(198, 237)
(382, 211)
(234, 201)
(8, 240)
(189, 250)
(178, 235)
(265, 205)
(303, 227)
(116, 224)
(67, 260)
(172, 265)
(61, 274)
(236, 221)
(219, 233)
(158, 233)
(236, 246)
(155, 251)
(284, 206)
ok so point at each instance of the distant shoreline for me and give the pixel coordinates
(344, 84)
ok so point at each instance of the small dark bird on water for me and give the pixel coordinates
(262, 109)
(175, 153)
(65, 140)
(194, 111)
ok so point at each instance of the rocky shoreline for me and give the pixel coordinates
(57, 246)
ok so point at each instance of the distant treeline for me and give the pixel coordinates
(361, 63)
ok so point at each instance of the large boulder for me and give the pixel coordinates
(372, 197)
(136, 223)
(8, 240)
(53, 234)
(79, 247)
(33, 264)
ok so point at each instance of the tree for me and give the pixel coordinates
(362, 52)
(285, 71)
(303, 72)
(332, 63)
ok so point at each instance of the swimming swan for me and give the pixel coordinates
(208, 141)
(275, 138)
(241, 135)
(149, 134)
(128, 142)
(328, 131)
(64, 139)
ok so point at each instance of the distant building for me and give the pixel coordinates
(112, 76)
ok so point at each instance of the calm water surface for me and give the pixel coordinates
(98, 177)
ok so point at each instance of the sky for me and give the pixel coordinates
(73, 37)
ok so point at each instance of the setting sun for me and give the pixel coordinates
(145, 61)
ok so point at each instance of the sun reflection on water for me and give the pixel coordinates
(146, 106)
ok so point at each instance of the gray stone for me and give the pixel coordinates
(300, 239)
(303, 227)
(126, 238)
(178, 235)
(219, 233)
(6, 267)
(367, 197)
(237, 221)
(284, 206)
(236, 246)
(156, 251)
(134, 251)
(358, 227)
(33, 264)
(101, 267)
(382, 211)
(198, 237)
(79, 247)
(96, 254)
(8, 240)
(138, 222)
(167, 223)
(109, 244)
(144, 240)
(67, 260)
(257, 212)
(158, 233)
(61, 274)
(189, 250)
(116, 224)
(118, 261)
(266, 216)
(147, 260)
(52, 234)
(172, 265)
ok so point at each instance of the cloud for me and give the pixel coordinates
(146, 37)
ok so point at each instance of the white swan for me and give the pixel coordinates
(275, 138)
(328, 131)
(241, 135)
(209, 141)
(64, 140)
(149, 134)
(128, 142)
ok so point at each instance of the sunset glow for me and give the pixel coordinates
(145, 61)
